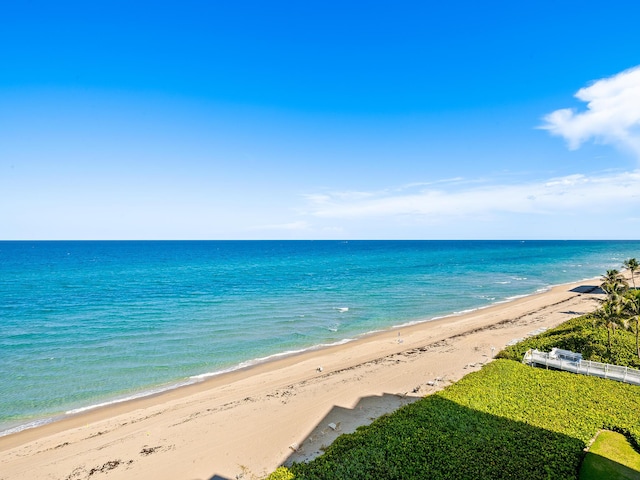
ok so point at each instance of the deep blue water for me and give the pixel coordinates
(83, 323)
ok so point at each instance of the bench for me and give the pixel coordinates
(565, 355)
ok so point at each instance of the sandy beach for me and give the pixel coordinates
(246, 423)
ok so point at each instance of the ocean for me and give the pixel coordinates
(90, 323)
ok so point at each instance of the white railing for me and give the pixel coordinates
(583, 367)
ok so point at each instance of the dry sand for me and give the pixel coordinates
(246, 423)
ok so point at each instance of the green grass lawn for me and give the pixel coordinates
(611, 457)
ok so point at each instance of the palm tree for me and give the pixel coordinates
(609, 316)
(632, 312)
(614, 284)
(632, 265)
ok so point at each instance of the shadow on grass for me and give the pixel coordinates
(436, 438)
(596, 467)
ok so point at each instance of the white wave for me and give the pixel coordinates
(482, 307)
(342, 309)
(75, 411)
(468, 310)
(26, 426)
(258, 361)
(135, 396)
(484, 297)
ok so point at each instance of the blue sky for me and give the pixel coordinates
(319, 120)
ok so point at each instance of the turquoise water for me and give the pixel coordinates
(85, 323)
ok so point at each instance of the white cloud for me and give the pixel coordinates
(612, 115)
(569, 194)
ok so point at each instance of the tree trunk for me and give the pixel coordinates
(637, 328)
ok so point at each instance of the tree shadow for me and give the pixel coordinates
(595, 289)
(437, 438)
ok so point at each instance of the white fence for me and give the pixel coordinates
(583, 367)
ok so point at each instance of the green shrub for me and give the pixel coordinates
(579, 335)
(281, 473)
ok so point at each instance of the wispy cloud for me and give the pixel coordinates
(542, 197)
(291, 226)
(612, 115)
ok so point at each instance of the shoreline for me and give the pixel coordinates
(249, 421)
(157, 390)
